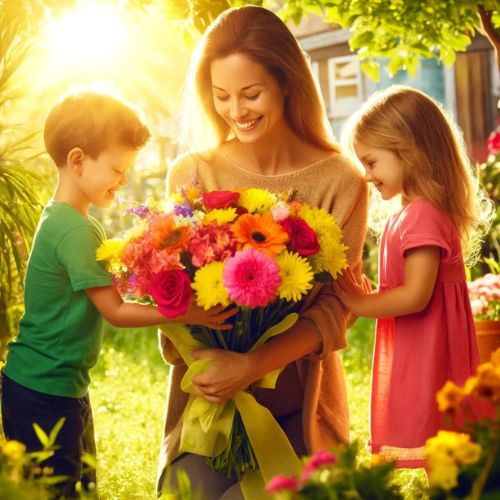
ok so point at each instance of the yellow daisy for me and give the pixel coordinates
(209, 287)
(296, 276)
(110, 249)
(257, 200)
(332, 256)
(220, 215)
(321, 222)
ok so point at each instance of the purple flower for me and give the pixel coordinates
(140, 211)
(183, 209)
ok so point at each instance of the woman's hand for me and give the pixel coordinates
(350, 292)
(213, 318)
(228, 372)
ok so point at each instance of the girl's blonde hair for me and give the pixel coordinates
(436, 164)
(263, 37)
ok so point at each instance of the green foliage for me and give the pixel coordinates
(402, 31)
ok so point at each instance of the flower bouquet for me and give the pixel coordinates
(258, 249)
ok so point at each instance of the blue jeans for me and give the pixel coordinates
(21, 407)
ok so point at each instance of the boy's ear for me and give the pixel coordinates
(75, 160)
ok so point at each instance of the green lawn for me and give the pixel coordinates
(128, 397)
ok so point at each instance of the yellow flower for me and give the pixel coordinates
(296, 276)
(220, 215)
(450, 396)
(331, 258)
(191, 193)
(468, 453)
(13, 449)
(443, 475)
(470, 386)
(110, 249)
(488, 382)
(209, 286)
(321, 222)
(257, 200)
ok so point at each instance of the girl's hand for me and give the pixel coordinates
(227, 373)
(213, 318)
(350, 292)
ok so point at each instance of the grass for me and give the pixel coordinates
(128, 397)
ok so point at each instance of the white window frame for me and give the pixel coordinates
(336, 109)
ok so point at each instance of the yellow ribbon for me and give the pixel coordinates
(207, 426)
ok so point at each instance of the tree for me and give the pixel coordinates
(402, 31)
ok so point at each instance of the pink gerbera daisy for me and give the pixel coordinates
(252, 278)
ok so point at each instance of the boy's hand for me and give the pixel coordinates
(213, 318)
(350, 292)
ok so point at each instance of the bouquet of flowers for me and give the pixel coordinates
(484, 295)
(255, 248)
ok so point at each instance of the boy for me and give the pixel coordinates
(93, 140)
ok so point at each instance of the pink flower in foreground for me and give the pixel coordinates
(252, 278)
(282, 483)
(319, 459)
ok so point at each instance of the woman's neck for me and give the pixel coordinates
(275, 154)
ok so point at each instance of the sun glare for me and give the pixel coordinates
(90, 35)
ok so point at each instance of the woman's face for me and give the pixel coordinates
(246, 96)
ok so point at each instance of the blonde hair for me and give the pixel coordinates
(92, 122)
(260, 35)
(430, 148)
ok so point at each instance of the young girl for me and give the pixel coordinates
(425, 332)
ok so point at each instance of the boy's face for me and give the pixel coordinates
(102, 177)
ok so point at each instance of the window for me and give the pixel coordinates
(345, 86)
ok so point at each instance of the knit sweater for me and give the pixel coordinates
(335, 185)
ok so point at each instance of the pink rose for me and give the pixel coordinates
(319, 459)
(494, 143)
(303, 239)
(282, 483)
(220, 199)
(171, 290)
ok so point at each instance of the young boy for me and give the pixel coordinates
(94, 140)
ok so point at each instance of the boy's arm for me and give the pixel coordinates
(421, 269)
(128, 314)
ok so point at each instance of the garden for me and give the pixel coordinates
(140, 50)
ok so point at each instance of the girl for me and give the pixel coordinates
(425, 332)
(251, 88)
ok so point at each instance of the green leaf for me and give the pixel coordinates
(361, 39)
(55, 431)
(371, 69)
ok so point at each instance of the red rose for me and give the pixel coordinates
(220, 199)
(171, 290)
(302, 239)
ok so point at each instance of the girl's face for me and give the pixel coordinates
(383, 168)
(247, 97)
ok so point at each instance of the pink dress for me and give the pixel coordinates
(417, 353)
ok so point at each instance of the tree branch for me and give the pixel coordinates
(489, 30)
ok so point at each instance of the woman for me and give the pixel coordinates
(254, 118)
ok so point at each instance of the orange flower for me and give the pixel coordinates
(260, 232)
(166, 235)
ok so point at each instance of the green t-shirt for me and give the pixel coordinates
(60, 333)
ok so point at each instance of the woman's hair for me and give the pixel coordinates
(260, 35)
(430, 148)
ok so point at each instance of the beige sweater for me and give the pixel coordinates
(337, 186)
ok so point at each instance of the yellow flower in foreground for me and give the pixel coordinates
(296, 276)
(209, 287)
(450, 396)
(220, 215)
(488, 382)
(13, 449)
(444, 475)
(257, 200)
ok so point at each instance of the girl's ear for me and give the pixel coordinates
(75, 160)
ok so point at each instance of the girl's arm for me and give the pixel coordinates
(127, 314)
(420, 273)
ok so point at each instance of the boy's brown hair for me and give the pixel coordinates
(92, 122)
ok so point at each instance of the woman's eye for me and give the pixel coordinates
(371, 163)
(222, 97)
(253, 97)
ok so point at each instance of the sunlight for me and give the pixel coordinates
(91, 35)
